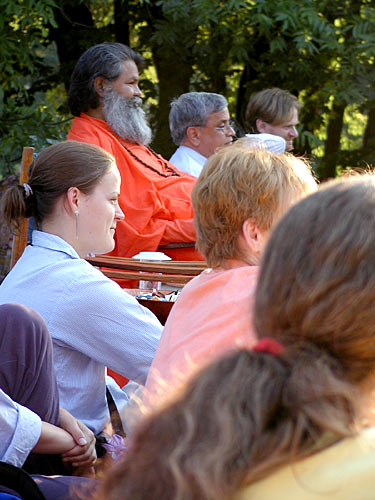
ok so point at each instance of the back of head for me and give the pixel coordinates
(239, 419)
(317, 281)
(51, 174)
(105, 60)
(192, 110)
(274, 106)
(316, 295)
(237, 184)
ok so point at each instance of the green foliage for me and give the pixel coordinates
(28, 64)
(322, 51)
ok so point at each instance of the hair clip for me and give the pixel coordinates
(269, 346)
(27, 189)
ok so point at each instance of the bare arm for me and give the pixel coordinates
(53, 440)
(73, 440)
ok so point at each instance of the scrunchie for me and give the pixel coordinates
(269, 346)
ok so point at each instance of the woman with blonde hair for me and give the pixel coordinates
(294, 417)
(238, 197)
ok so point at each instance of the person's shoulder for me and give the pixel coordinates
(342, 471)
(177, 154)
(92, 131)
(88, 282)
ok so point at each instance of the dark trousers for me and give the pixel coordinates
(27, 374)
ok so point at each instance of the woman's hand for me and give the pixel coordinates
(84, 453)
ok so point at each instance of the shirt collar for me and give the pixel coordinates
(194, 154)
(53, 242)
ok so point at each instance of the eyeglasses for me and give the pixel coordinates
(228, 127)
(225, 128)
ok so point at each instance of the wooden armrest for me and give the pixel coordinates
(189, 268)
(175, 279)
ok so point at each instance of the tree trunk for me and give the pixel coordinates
(74, 34)
(174, 69)
(122, 17)
(332, 146)
(241, 102)
(172, 83)
(369, 135)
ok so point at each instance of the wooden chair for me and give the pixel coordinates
(20, 239)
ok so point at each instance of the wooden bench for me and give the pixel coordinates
(173, 272)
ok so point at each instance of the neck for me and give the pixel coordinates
(233, 263)
(187, 144)
(367, 411)
(66, 231)
(96, 113)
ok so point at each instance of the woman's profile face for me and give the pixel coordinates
(98, 215)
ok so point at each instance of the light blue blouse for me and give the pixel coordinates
(92, 321)
(20, 430)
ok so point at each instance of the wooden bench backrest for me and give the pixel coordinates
(21, 237)
(172, 271)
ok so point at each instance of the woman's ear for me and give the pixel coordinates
(72, 200)
(253, 236)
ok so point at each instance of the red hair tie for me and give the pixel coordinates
(268, 345)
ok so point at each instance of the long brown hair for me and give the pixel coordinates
(318, 272)
(250, 413)
(51, 174)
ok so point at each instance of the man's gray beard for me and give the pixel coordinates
(126, 117)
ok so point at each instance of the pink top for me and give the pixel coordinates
(212, 316)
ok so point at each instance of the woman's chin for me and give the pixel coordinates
(104, 249)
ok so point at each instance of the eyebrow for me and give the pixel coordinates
(288, 124)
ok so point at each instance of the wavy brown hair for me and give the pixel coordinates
(249, 413)
(318, 272)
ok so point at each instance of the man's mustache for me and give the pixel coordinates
(135, 102)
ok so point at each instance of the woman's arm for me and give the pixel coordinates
(53, 440)
(73, 440)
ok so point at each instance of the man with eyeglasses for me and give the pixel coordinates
(105, 100)
(200, 124)
(274, 111)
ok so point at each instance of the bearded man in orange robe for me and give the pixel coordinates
(105, 100)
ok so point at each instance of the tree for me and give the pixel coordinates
(28, 64)
(322, 51)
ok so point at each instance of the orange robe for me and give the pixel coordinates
(158, 210)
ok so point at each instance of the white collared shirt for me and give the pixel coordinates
(188, 160)
(20, 430)
(92, 321)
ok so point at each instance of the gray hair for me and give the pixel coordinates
(192, 110)
(106, 60)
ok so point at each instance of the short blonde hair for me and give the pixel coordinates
(237, 184)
